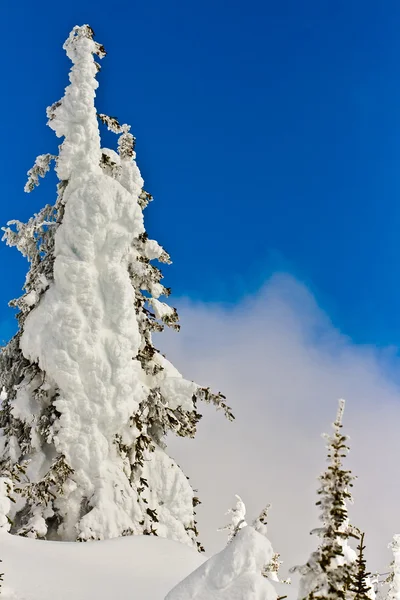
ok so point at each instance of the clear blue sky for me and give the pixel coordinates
(268, 133)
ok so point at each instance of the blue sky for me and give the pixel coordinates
(268, 133)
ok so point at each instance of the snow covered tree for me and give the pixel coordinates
(329, 570)
(87, 399)
(394, 576)
(270, 570)
(238, 519)
(360, 582)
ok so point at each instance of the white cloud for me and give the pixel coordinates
(282, 366)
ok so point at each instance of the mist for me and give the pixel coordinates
(283, 366)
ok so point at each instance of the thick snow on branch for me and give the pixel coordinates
(238, 519)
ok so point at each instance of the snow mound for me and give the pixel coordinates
(232, 574)
(137, 567)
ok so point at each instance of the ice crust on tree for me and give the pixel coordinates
(89, 398)
(232, 574)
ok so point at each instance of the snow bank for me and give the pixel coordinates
(136, 567)
(233, 574)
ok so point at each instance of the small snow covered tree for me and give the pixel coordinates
(360, 580)
(238, 519)
(269, 570)
(394, 575)
(87, 399)
(328, 572)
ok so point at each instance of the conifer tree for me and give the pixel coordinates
(328, 571)
(87, 399)
(270, 570)
(360, 582)
(394, 575)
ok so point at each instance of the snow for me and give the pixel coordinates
(315, 579)
(238, 519)
(394, 575)
(5, 503)
(85, 335)
(232, 574)
(137, 567)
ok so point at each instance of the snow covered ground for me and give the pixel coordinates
(136, 568)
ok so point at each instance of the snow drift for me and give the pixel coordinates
(137, 567)
(233, 574)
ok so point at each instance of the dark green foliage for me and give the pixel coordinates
(359, 584)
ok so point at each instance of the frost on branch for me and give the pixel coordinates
(111, 122)
(39, 169)
(89, 400)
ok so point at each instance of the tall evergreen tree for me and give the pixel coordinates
(87, 399)
(328, 571)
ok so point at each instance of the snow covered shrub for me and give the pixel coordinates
(87, 399)
(235, 573)
(238, 521)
